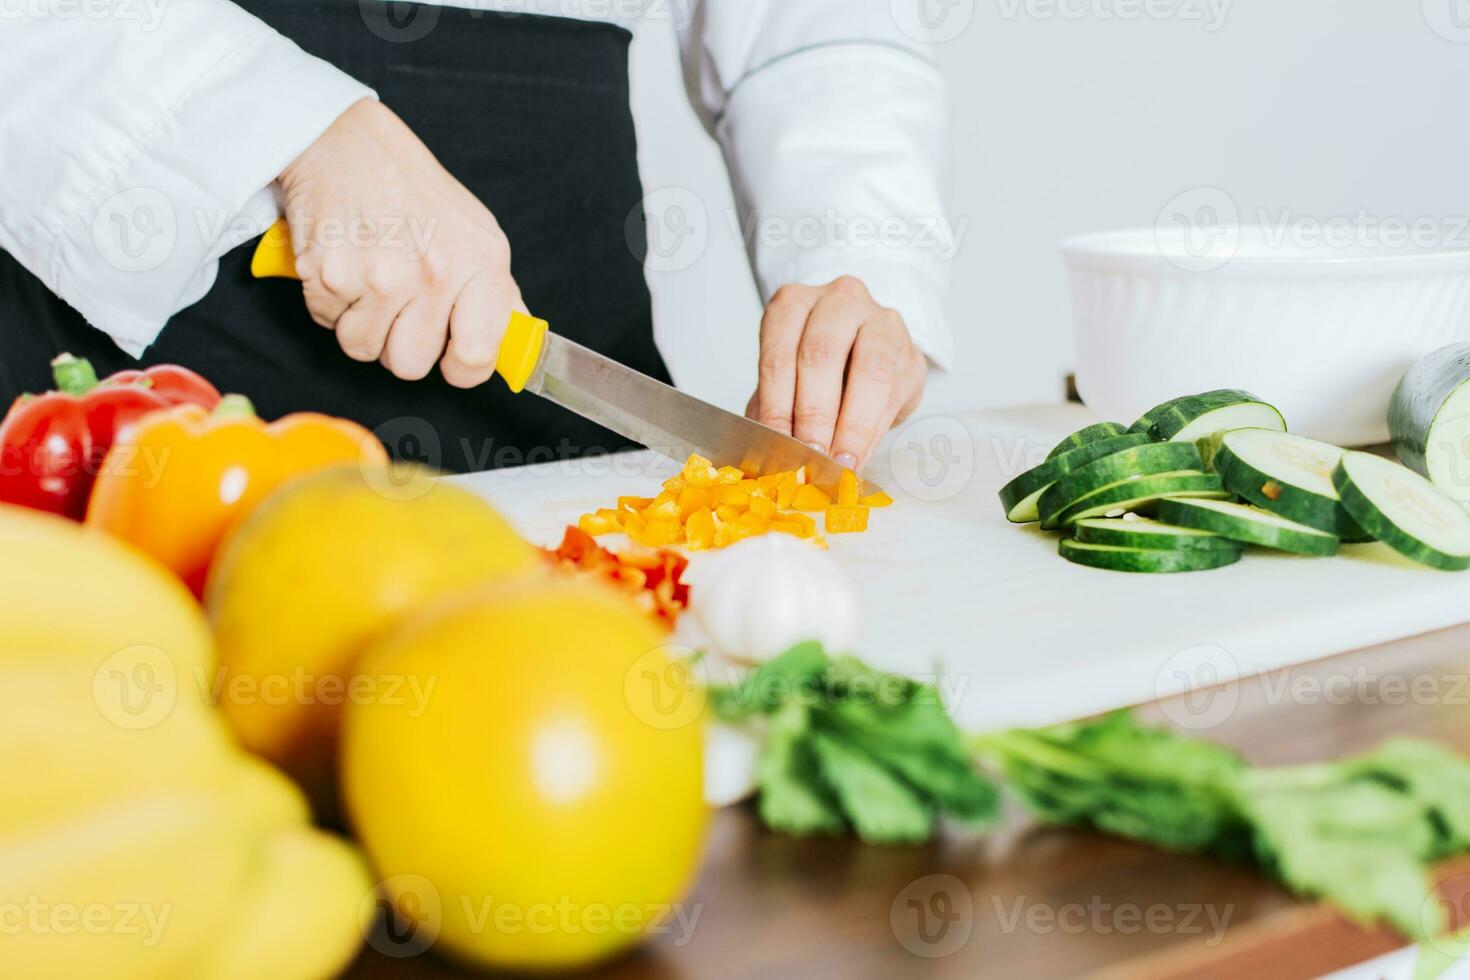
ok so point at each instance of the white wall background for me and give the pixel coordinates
(1071, 116)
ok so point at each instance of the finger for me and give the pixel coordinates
(477, 327)
(907, 393)
(362, 331)
(416, 339)
(331, 281)
(781, 328)
(821, 360)
(867, 402)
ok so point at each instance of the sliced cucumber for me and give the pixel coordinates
(1150, 560)
(1140, 532)
(1135, 493)
(1202, 416)
(1136, 461)
(1404, 511)
(1019, 497)
(1429, 419)
(1249, 525)
(1145, 422)
(1288, 475)
(1092, 433)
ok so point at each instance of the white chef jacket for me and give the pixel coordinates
(140, 140)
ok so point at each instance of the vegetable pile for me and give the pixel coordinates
(1360, 832)
(708, 507)
(653, 578)
(1217, 472)
(846, 745)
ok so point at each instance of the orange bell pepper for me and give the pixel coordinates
(179, 479)
(809, 497)
(846, 518)
(848, 488)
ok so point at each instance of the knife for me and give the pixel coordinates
(616, 397)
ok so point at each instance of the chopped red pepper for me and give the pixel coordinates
(653, 577)
(52, 445)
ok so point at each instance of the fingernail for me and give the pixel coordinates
(817, 446)
(846, 460)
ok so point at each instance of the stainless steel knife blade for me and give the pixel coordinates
(667, 420)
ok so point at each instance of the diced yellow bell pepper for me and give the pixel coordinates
(806, 522)
(846, 518)
(634, 504)
(847, 488)
(634, 525)
(811, 498)
(698, 472)
(879, 499)
(770, 482)
(789, 527)
(733, 496)
(661, 534)
(699, 529)
(726, 512)
(674, 484)
(729, 475)
(786, 491)
(596, 524)
(664, 510)
(664, 497)
(695, 498)
(762, 507)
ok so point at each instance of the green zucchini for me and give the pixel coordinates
(1133, 531)
(1134, 493)
(1092, 433)
(1133, 462)
(1150, 560)
(1404, 511)
(1019, 497)
(1248, 525)
(1290, 476)
(1145, 422)
(1429, 419)
(1212, 413)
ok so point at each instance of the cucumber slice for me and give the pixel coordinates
(1288, 475)
(1249, 525)
(1140, 532)
(1150, 560)
(1137, 461)
(1092, 433)
(1019, 497)
(1404, 511)
(1135, 493)
(1429, 419)
(1145, 422)
(1203, 419)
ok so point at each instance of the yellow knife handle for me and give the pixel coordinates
(525, 335)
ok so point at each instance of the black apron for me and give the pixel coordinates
(532, 114)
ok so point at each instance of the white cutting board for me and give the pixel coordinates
(1014, 635)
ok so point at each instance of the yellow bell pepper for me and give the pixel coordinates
(811, 498)
(847, 488)
(846, 518)
(879, 499)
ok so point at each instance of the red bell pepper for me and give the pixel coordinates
(52, 445)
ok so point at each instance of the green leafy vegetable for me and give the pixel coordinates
(1360, 832)
(847, 745)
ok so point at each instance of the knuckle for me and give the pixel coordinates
(776, 364)
(789, 296)
(814, 418)
(381, 280)
(875, 365)
(849, 287)
(820, 350)
(434, 268)
(337, 276)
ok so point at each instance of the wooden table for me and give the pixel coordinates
(1036, 902)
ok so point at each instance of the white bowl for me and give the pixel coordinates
(1321, 331)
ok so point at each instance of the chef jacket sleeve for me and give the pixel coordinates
(833, 120)
(138, 141)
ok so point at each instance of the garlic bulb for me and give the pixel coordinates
(762, 596)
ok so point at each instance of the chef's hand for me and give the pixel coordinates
(395, 255)
(837, 370)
